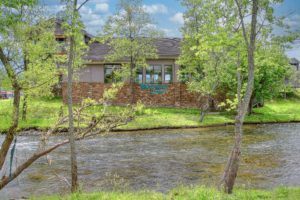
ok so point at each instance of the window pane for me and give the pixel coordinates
(168, 73)
(157, 75)
(149, 74)
(139, 76)
(109, 73)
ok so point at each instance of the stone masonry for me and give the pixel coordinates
(167, 95)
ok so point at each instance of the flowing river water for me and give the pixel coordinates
(161, 160)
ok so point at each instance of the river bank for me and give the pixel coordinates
(160, 160)
(43, 113)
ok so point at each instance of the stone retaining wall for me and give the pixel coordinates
(164, 95)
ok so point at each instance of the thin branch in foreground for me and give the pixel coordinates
(101, 124)
(82, 5)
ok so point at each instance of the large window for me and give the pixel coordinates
(110, 75)
(168, 73)
(149, 74)
(157, 76)
(154, 74)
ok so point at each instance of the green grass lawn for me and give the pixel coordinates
(197, 193)
(43, 113)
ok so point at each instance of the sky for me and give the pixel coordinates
(168, 16)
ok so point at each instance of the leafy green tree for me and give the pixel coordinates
(131, 35)
(272, 70)
(260, 12)
(271, 73)
(208, 50)
(4, 80)
(229, 36)
(39, 56)
(19, 24)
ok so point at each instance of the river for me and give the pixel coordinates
(161, 160)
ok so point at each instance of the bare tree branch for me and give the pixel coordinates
(242, 22)
(82, 5)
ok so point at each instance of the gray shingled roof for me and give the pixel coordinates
(58, 28)
(294, 61)
(166, 48)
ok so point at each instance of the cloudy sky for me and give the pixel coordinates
(167, 14)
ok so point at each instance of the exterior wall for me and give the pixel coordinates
(175, 94)
(94, 73)
(90, 84)
(91, 73)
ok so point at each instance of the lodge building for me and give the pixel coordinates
(295, 81)
(155, 85)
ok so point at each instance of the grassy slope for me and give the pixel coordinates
(198, 193)
(43, 113)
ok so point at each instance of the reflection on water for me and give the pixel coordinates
(163, 159)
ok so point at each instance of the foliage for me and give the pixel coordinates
(8, 16)
(21, 35)
(73, 27)
(41, 72)
(213, 49)
(272, 70)
(131, 35)
(4, 80)
(30, 45)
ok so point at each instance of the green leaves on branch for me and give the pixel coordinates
(209, 46)
(9, 11)
(131, 34)
(29, 44)
(214, 49)
(73, 27)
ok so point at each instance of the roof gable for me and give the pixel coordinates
(166, 48)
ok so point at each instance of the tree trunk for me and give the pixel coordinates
(234, 159)
(232, 166)
(202, 115)
(71, 121)
(251, 104)
(132, 88)
(132, 70)
(73, 156)
(16, 106)
(24, 108)
(205, 108)
(212, 105)
(12, 129)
